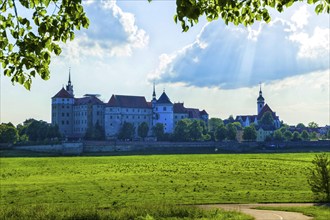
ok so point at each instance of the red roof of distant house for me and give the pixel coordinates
(128, 101)
(63, 94)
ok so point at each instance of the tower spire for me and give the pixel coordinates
(69, 87)
(154, 92)
(69, 82)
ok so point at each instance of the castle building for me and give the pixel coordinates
(262, 108)
(74, 116)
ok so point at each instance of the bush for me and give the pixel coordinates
(319, 177)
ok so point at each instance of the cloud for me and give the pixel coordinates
(230, 57)
(112, 32)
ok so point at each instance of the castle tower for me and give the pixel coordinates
(69, 87)
(260, 101)
(163, 112)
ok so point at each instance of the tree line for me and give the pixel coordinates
(30, 131)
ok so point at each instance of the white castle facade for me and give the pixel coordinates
(75, 115)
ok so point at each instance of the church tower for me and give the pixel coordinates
(69, 87)
(260, 101)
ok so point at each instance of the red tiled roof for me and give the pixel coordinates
(128, 101)
(265, 109)
(62, 94)
(203, 112)
(179, 108)
(193, 112)
(88, 100)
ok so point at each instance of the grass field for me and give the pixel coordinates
(107, 182)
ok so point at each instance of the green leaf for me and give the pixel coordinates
(27, 84)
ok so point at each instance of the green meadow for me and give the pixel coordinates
(115, 182)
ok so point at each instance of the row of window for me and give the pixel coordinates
(127, 117)
(133, 110)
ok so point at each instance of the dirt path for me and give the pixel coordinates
(264, 214)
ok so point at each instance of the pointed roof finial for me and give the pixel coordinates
(69, 75)
(260, 86)
(154, 92)
(164, 90)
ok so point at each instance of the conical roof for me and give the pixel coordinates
(163, 99)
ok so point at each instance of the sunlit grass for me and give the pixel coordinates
(169, 179)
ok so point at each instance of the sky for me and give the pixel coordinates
(131, 44)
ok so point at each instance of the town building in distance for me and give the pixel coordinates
(74, 116)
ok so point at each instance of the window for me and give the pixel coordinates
(62, 106)
(164, 108)
(110, 116)
(145, 117)
(126, 110)
(67, 114)
(62, 122)
(176, 117)
(67, 122)
(181, 116)
(117, 117)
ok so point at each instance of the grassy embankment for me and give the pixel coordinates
(107, 184)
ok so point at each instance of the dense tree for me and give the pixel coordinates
(238, 125)
(313, 124)
(304, 135)
(8, 133)
(266, 120)
(195, 130)
(313, 135)
(214, 123)
(36, 130)
(300, 125)
(158, 131)
(231, 132)
(278, 136)
(319, 177)
(127, 131)
(328, 134)
(27, 44)
(250, 133)
(234, 11)
(221, 133)
(143, 130)
(287, 135)
(296, 136)
(181, 130)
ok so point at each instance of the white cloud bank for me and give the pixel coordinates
(112, 32)
(230, 57)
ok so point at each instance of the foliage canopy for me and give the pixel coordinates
(27, 44)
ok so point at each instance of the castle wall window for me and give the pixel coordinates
(62, 114)
(164, 108)
(67, 122)
(62, 122)
(67, 114)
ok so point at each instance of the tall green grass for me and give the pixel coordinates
(171, 179)
(141, 212)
